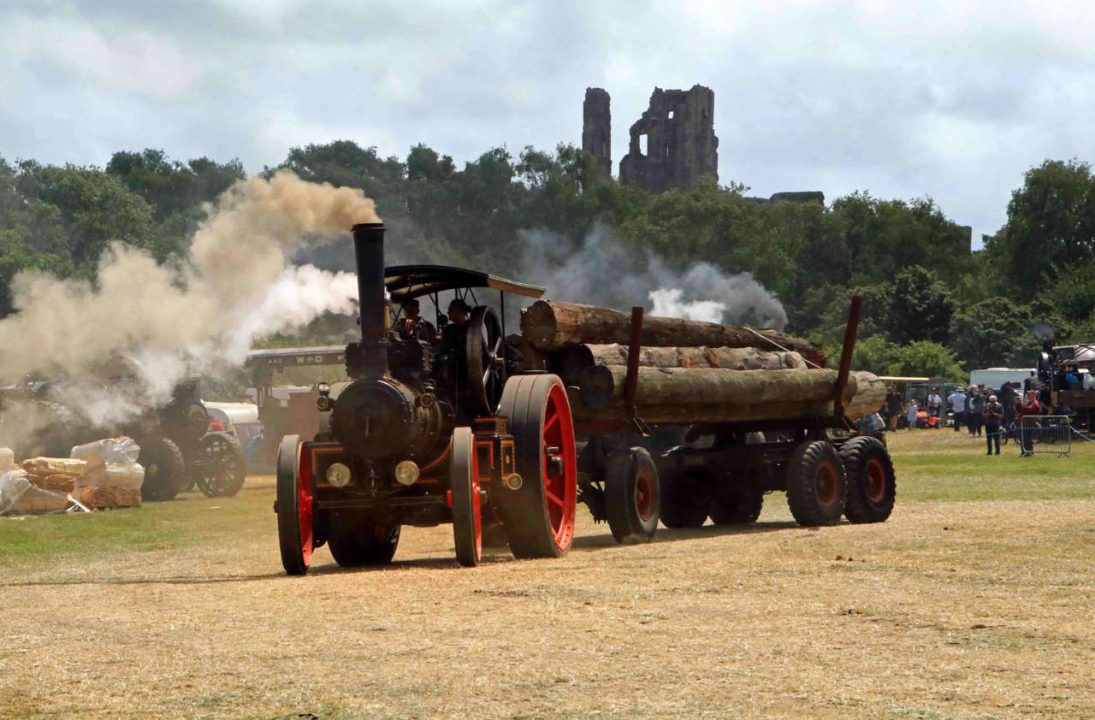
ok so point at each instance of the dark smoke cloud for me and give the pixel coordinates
(604, 271)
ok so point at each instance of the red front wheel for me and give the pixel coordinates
(539, 515)
(294, 506)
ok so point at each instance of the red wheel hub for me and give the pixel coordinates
(875, 481)
(559, 466)
(644, 496)
(828, 486)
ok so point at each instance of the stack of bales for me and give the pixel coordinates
(100, 475)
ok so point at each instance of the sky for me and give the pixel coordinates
(948, 100)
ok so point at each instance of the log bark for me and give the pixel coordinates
(571, 362)
(691, 395)
(679, 415)
(554, 325)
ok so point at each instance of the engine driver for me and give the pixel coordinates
(412, 326)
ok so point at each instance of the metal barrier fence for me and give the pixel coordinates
(1045, 434)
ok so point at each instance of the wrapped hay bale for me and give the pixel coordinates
(101, 497)
(42, 485)
(43, 467)
(114, 476)
(57, 482)
(19, 496)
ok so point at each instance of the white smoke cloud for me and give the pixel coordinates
(668, 303)
(162, 323)
(604, 271)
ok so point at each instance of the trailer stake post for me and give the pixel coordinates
(631, 383)
(846, 358)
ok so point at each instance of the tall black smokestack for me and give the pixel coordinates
(369, 255)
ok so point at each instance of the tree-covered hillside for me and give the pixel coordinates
(932, 307)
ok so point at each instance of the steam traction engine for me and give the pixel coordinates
(428, 434)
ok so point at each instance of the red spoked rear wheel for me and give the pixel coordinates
(539, 515)
(294, 506)
(467, 513)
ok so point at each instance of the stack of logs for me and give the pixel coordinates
(689, 371)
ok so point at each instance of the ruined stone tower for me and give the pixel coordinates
(597, 129)
(674, 142)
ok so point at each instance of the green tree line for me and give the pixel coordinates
(932, 307)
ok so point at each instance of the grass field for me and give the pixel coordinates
(976, 600)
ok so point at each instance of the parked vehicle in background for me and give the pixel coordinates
(286, 407)
(241, 420)
(1076, 399)
(996, 377)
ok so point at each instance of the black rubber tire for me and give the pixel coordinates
(467, 519)
(736, 504)
(294, 538)
(816, 484)
(872, 485)
(355, 541)
(224, 467)
(529, 521)
(632, 495)
(164, 470)
(684, 498)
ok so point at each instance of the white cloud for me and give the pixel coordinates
(942, 99)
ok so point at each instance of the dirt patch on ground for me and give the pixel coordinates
(949, 610)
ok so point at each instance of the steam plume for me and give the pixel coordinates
(236, 284)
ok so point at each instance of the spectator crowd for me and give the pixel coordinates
(981, 411)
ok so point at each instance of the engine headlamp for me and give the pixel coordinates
(407, 472)
(338, 475)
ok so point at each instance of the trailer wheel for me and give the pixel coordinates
(356, 541)
(684, 498)
(467, 517)
(816, 484)
(222, 467)
(632, 496)
(164, 470)
(539, 515)
(872, 486)
(294, 506)
(736, 504)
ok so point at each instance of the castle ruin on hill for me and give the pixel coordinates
(671, 146)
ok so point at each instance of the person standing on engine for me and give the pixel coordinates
(957, 401)
(994, 415)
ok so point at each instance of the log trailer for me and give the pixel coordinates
(721, 436)
(479, 429)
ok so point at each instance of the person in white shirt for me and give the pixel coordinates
(957, 401)
(935, 403)
(911, 413)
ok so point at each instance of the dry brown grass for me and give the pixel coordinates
(951, 609)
